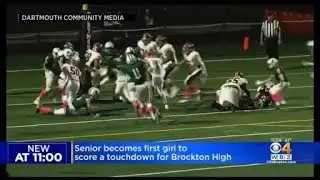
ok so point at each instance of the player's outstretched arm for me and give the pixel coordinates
(258, 82)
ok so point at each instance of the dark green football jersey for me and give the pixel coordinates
(108, 55)
(276, 73)
(52, 64)
(80, 102)
(136, 72)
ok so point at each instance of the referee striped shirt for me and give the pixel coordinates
(270, 29)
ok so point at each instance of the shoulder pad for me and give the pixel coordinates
(279, 70)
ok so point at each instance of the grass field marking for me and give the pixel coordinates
(238, 135)
(180, 80)
(210, 60)
(135, 118)
(284, 126)
(188, 170)
(253, 58)
(208, 92)
(161, 130)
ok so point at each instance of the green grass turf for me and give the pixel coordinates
(190, 121)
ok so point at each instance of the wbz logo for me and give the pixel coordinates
(280, 153)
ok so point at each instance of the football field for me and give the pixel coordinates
(193, 121)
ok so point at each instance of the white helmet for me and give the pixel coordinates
(260, 88)
(129, 50)
(131, 59)
(218, 92)
(272, 62)
(310, 43)
(55, 51)
(109, 45)
(68, 53)
(94, 92)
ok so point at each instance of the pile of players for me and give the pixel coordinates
(235, 95)
(138, 74)
(142, 72)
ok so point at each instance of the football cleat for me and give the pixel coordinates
(37, 109)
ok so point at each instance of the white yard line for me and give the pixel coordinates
(161, 130)
(207, 92)
(285, 126)
(253, 58)
(136, 118)
(25, 89)
(188, 170)
(215, 167)
(211, 60)
(180, 80)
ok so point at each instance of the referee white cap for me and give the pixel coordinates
(310, 43)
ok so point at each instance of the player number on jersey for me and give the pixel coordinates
(75, 71)
(87, 56)
(233, 80)
(136, 73)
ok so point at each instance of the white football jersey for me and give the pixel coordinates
(91, 56)
(165, 50)
(152, 50)
(241, 81)
(61, 53)
(194, 59)
(141, 46)
(76, 55)
(231, 84)
(73, 70)
(238, 80)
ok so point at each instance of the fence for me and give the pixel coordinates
(232, 32)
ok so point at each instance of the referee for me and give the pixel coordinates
(271, 36)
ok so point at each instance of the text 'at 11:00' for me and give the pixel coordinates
(38, 153)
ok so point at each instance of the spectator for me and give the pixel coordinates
(148, 18)
(271, 36)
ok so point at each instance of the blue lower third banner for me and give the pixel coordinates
(160, 152)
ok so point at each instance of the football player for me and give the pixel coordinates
(70, 52)
(310, 45)
(120, 89)
(228, 96)
(240, 101)
(282, 81)
(169, 61)
(109, 54)
(69, 82)
(196, 68)
(141, 47)
(243, 83)
(262, 97)
(93, 59)
(52, 70)
(152, 56)
(139, 85)
(84, 101)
